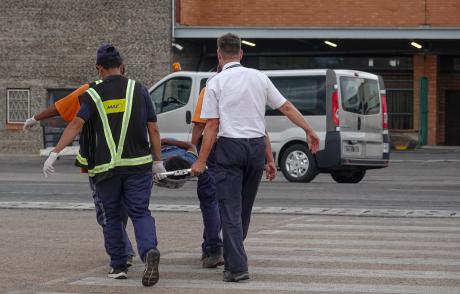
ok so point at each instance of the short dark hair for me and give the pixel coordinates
(108, 57)
(229, 44)
(176, 163)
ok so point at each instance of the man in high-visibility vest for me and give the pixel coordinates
(120, 159)
(67, 108)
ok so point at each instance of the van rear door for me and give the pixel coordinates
(360, 116)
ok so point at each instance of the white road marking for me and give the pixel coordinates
(356, 243)
(313, 272)
(353, 251)
(414, 228)
(263, 210)
(453, 237)
(336, 259)
(274, 286)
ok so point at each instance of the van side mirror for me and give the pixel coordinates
(188, 117)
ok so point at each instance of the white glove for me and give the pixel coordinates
(48, 166)
(30, 122)
(158, 168)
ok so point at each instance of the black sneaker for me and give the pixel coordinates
(213, 261)
(151, 274)
(118, 273)
(235, 277)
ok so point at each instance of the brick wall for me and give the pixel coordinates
(52, 44)
(322, 13)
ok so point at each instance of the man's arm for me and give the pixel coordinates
(270, 166)
(70, 132)
(294, 115)
(181, 144)
(50, 111)
(209, 138)
(197, 132)
(155, 141)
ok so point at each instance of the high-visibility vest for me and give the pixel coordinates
(81, 159)
(116, 152)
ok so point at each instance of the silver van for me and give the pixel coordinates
(346, 108)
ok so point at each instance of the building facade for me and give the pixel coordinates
(48, 48)
(414, 45)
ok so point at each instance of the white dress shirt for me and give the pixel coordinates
(238, 97)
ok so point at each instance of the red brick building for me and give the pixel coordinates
(370, 35)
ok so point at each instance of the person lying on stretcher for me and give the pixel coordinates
(176, 155)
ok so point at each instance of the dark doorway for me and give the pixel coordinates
(452, 118)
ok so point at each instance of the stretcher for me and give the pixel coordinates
(173, 179)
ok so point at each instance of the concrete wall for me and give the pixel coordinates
(51, 44)
(323, 13)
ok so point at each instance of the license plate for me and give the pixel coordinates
(355, 149)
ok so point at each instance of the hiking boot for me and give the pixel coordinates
(213, 261)
(151, 274)
(235, 277)
(118, 273)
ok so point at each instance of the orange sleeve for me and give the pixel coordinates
(68, 106)
(199, 104)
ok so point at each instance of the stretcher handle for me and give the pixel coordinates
(179, 172)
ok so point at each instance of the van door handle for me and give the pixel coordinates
(359, 123)
(188, 117)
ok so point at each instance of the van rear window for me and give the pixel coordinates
(360, 95)
(307, 93)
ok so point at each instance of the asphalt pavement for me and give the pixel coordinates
(426, 179)
(304, 238)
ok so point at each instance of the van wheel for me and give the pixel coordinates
(298, 165)
(348, 176)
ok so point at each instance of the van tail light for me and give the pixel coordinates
(335, 108)
(384, 112)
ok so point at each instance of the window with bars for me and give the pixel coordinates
(18, 105)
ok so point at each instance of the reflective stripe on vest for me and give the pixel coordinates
(116, 153)
(81, 159)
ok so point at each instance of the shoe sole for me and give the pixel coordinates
(237, 278)
(151, 274)
(119, 276)
(213, 265)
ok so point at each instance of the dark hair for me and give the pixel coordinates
(229, 44)
(108, 57)
(111, 63)
(176, 163)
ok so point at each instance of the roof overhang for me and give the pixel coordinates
(422, 32)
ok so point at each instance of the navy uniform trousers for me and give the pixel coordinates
(206, 190)
(101, 219)
(239, 168)
(133, 192)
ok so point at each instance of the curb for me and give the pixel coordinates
(408, 213)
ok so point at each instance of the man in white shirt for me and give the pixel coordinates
(234, 106)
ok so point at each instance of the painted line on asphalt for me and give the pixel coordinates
(273, 286)
(314, 272)
(261, 210)
(453, 237)
(424, 190)
(352, 251)
(337, 259)
(356, 243)
(424, 160)
(364, 227)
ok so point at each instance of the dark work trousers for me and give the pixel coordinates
(133, 192)
(101, 219)
(206, 190)
(239, 168)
